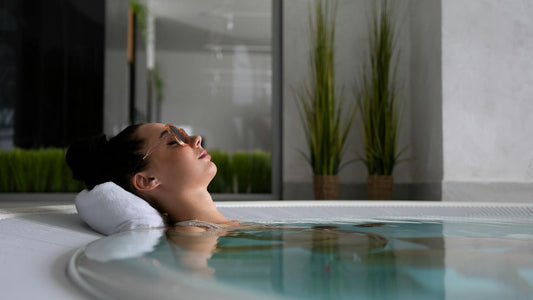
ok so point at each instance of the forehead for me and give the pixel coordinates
(151, 131)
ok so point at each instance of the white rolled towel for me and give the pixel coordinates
(108, 209)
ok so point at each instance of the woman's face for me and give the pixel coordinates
(176, 167)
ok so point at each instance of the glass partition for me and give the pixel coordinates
(215, 61)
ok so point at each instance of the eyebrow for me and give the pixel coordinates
(163, 133)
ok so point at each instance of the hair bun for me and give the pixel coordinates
(87, 160)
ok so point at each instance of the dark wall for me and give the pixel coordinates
(9, 39)
(59, 64)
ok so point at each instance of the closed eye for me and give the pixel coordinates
(172, 142)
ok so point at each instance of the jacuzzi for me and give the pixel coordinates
(323, 250)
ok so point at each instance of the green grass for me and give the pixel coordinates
(241, 167)
(45, 170)
(36, 171)
(5, 177)
(260, 172)
(242, 172)
(223, 181)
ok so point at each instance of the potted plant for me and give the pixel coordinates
(378, 101)
(320, 108)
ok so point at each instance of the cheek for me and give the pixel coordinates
(179, 169)
(170, 167)
(185, 169)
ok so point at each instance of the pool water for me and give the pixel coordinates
(372, 259)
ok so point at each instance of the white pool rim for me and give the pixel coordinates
(322, 211)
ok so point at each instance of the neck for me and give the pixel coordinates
(193, 205)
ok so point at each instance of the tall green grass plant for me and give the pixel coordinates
(378, 98)
(320, 108)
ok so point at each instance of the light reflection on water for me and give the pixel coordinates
(370, 260)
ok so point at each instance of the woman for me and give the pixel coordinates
(160, 163)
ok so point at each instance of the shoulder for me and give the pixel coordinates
(189, 229)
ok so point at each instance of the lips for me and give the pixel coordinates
(204, 154)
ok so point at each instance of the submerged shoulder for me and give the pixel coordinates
(191, 229)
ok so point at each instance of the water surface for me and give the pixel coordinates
(377, 259)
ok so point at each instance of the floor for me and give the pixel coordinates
(36, 243)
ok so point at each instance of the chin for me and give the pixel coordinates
(212, 171)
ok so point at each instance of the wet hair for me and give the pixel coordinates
(96, 160)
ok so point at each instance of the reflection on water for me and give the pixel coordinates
(379, 260)
(385, 260)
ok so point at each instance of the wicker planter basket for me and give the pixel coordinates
(326, 187)
(379, 187)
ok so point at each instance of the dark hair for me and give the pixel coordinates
(96, 160)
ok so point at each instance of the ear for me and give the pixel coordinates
(142, 182)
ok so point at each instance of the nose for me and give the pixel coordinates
(196, 141)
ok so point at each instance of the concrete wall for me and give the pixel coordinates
(487, 93)
(426, 98)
